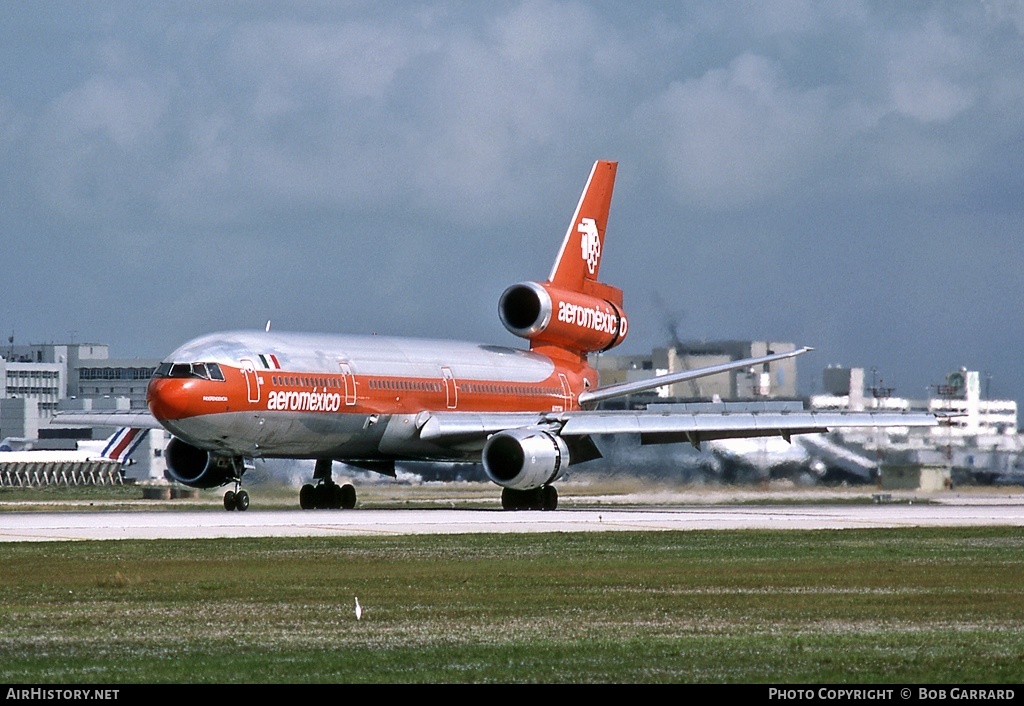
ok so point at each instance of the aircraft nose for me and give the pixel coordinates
(168, 398)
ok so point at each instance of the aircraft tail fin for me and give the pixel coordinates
(122, 443)
(579, 260)
(572, 314)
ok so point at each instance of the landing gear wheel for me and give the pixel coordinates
(548, 498)
(307, 497)
(545, 498)
(236, 500)
(348, 496)
(327, 496)
(333, 496)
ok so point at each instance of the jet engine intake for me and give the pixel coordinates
(546, 314)
(200, 469)
(523, 459)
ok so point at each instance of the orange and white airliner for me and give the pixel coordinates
(369, 401)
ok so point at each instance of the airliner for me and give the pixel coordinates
(370, 401)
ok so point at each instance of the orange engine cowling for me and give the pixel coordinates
(548, 315)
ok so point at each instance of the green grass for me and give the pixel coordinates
(911, 606)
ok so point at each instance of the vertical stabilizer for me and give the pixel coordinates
(122, 443)
(579, 260)
(572, 314)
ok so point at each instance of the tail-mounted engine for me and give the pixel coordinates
(523, 459)
(200, 469)
(577, 321)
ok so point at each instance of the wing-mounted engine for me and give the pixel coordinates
(201, 469)
(524, 459)
(582, 322)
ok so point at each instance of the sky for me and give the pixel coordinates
(843, 175)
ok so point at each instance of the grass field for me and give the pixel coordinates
(881, 606)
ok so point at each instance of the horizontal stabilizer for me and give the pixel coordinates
(630, 388)
(119, 418)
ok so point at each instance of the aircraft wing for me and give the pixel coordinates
(467, 429)
(657, 427)
(134, 418)
(608, 392)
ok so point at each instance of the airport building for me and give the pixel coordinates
(978, 440)
(49, 372)
(41, 379)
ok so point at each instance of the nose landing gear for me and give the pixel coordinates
(236, 500)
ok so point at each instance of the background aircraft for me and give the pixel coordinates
(117, 447)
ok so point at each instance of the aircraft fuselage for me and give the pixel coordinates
(291, 395)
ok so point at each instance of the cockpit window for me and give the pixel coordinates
(201, 371)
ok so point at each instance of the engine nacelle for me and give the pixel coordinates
(523, 459)
(200, 469)
(546, 314)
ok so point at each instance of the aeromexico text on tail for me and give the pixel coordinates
(371, 401)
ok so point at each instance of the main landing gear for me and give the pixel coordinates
(543, 498)
(326, 494)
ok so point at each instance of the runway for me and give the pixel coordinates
(188, 524)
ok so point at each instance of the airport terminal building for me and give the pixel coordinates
(41, 379)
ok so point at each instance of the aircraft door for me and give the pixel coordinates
(350, 382)
(451, 390)
(252, 380)
(566, 392)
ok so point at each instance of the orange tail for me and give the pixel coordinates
(572, 313)
(579, 260)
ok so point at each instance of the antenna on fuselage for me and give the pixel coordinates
(268, 325)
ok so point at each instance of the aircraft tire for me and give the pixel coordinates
(334, 496)
(307, 497)
(532, 499)
(548, 497)
(348, 496)
(509, 501)
(241, 501)
(229, 500)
